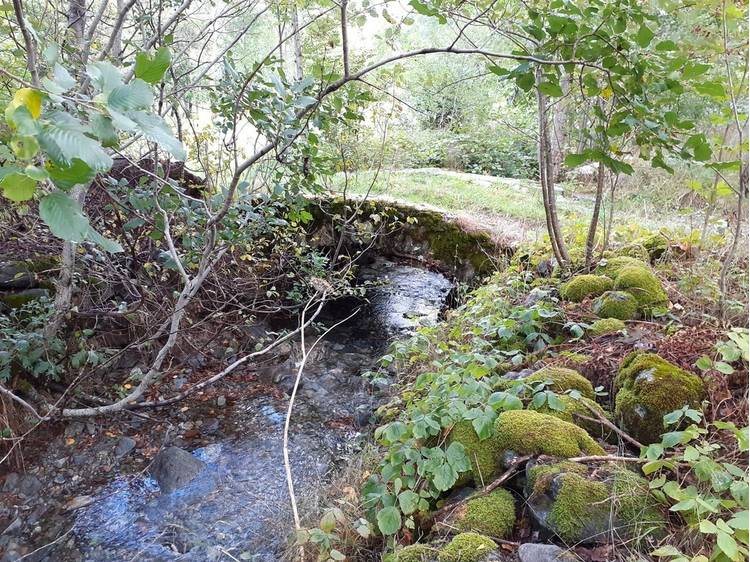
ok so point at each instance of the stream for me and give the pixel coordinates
(238, 507)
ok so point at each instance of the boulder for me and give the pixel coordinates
(174, 467)
(647, 388)
(568, 502)
(616, 304)
(15, 276)
(493, 515)
(584, 286)
(534, 552)
(124, 446)
(469, 547)
(19, 298)
(606, 326)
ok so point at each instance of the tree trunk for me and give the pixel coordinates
(546, 180)
(729, 258)
(77, 21)
(297, 43)
(595, 216)
(559, 142)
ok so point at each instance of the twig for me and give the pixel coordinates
(604, 421)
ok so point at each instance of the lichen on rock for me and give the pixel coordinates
(584, 286)
(649, 387)
(616, 304)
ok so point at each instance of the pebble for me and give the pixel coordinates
(124, 446)
(221, 401)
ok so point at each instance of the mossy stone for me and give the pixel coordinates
(578, 406)
(563, 379)
(527, 432)
(606, 326)
(467, 547)
(611, 267)
(415, 553)
(584, 286)
(579, 507)
(637, 251)
(656, 245)
(20, 298)
(616, 304)
(643, 284)
(493, 514)
(649, 387)
(483, 454)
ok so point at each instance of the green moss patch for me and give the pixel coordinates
(573, 407)
(534, 433)
(493, 515)
(562, 379)
(648, 387)
(643, 284)
(415, 553)
(606, 326)
(467, 547)
(616, 304)
(483, 454)
(584, 286)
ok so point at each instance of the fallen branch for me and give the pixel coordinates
(604, 421)
(504, 477)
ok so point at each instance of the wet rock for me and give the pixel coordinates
(210, 426)
(532, 552)
(11, 481)
(124, 446)
(362, 417)
(29, 485)
(175, 467)
(15, 276)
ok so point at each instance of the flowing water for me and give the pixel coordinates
(238, 508)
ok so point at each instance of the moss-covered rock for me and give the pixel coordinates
(648, 387)
(643, 284)
(562, 379)
(606, 326)
(584, 286)
(415, 553)
(19, 298)
(611, 267)
(493, 514)
(655, 245)
(578, 406)
(467, 547)
(483, 454)
(578, 507)
(637, 251)
(527, 432)
(616, 304)
(575, 358)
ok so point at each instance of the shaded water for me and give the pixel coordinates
(238, 507)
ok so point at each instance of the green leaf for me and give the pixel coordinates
(554, 402)
(644, 36)
(724, 368)
(666, 551)
(156, 130)
(105, 76)
(150, 69)
(63, 140)
(666, 46)
(498, 70)
(551, 89)
(704, 363)
(106, 244)
(408, 501)
(136, 95)
(714, 89)
(444, 477)
(574, 160)
(65, 177)
(727, 544)
(62, 77)
(455, 455)
(64, 217)
(18, 187)
(525, 81)
(389, 520)
(24, 147)
(102, 127)
(336, 555)
(693, 70)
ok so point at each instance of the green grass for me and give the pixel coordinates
(515, 198)
(482, 196)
